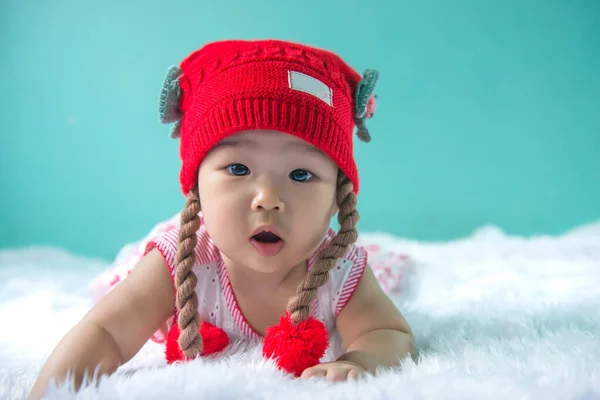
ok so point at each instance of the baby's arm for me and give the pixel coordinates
(113, 331)
(373, 331)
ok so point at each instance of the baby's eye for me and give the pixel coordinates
(300, 175)
(238, 169)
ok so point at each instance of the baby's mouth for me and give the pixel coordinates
(266, 237)
(266, 243)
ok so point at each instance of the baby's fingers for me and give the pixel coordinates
(313, 372)
(336, 374)
(354, 374)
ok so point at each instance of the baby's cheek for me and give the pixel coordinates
(308, 235)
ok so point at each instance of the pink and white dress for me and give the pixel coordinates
(217, 302)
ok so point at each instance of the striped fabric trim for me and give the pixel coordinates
(359, 256)
(167, 244)
(232, 304)
(205, 251)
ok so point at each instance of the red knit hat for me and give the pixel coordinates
(230, 86)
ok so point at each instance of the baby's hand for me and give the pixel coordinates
(335, 371)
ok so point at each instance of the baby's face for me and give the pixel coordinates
(257, 179)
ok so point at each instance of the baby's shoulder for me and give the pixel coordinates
(355, 253)
(167, 241)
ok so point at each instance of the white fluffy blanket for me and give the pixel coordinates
(495, 317)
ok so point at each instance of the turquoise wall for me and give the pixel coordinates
(489, 111)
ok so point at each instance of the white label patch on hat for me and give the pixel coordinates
(310, 85)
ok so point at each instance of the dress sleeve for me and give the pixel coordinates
(166, 244)
(347, 274)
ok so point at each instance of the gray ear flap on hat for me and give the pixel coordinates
(168, 106)
(366, 102)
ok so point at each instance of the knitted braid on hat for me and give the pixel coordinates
(186, 299)
(299, 305)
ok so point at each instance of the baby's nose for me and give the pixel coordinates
(267, 198)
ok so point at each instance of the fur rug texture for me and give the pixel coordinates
(495, 316)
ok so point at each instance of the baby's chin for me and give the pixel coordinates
(256, 262)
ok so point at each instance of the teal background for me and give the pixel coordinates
(489, 112)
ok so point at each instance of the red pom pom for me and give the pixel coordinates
(172, 351)
(296, 347)
(214, 340)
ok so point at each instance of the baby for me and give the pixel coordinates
(265, 130)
